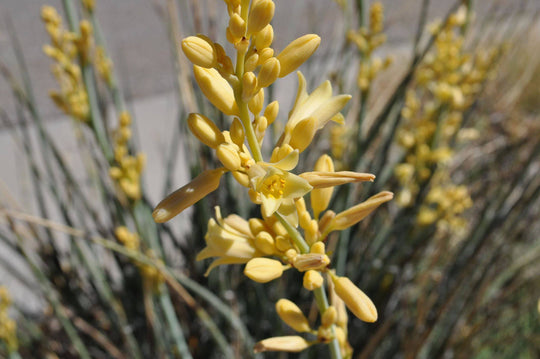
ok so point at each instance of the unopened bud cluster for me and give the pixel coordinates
(127, 171)
(153, 278)
(8, 327)
(446, 84)
(72, 51)
(367, 40)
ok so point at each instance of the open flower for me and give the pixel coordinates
(320, 105)
(276, 188)
(230, 240)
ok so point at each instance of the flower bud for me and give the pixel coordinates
(237, 26)
(271, 111)
(297, 52)
(237, 132)
(200, 51)
(263, 270)
(256, 103)
(205, 130)
(249, 85)
(329, 317)
(265, 54)
(260, 15)
(264, 38)
(311, 261)
(355, 214)
(331, 179)
(197, 189)
(320, 197)
(292, 344)
(252, 61)
(265, 243)
(318, 248)
(242, 178)
(216, 89)
(228, 155)
(356, 300)
(313, 280)
(269, 72)
(292, 315)
(256, 225)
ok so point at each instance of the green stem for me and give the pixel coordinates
(295, 235)
(322, 304)
(174, 326)
(319, 293)
(242, 105)
(14, 355)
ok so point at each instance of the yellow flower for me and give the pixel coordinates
(276, 188)
(319, 105)
(230, 240)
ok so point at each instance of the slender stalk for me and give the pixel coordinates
(295, 235)
(174, 326)
(322, 304)
(242, 105)
(89, 81)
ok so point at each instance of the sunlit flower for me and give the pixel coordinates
(276, 188)
(230, 240)
(319, 105)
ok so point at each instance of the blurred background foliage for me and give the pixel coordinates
(451, 127)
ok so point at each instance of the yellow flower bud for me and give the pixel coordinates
(313, 280)
(216, 89)
(303, 133)
(260, 15)
(311, 261)
(293, 344)
(252, 61)
(297, 52)
(265, 243)
(318, 248)
(237, 26)
(237, 132)
(355, 214)
(205, 130)
(331, 179)
(200, 51)
(283, 243)
(229, 157)
(249, 85)
(256, 225)
(264, 38)
(265, 54)
(356, 300)
(329, 317)
(256, 104)
(263, 270)
(292, 315)
(241, 177)
(188, 195)
(271, 112)
(269, 72)
(320, 197)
